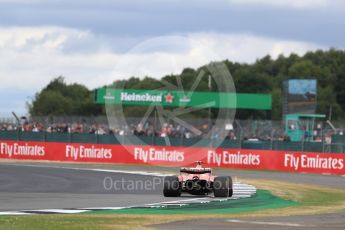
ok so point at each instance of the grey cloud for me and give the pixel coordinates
(138, 19)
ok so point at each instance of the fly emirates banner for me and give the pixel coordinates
(308, 162)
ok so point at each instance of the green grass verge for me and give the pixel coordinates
(261, 200)
(62, 222)
(287, 199)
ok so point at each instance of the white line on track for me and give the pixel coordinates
(266, 223)
(182, 202)
(62, 211)
(326, 174)
(103, 208)
(14, 213)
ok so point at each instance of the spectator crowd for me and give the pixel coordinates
(237, 131)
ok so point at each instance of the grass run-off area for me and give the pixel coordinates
(302, 199)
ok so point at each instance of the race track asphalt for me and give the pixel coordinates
(334, 221)
(29, 185)
(25, 187)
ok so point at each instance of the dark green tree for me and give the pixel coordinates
(266, 75)
(59, 98)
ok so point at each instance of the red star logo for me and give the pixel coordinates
(169, 98)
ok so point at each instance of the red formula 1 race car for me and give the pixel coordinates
(197, 181)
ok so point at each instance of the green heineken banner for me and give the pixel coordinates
(184, 99)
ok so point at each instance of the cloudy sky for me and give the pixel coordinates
(95, 42)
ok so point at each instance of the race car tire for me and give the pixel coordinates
(172, 186)
(222, 186)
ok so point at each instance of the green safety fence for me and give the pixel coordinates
(338, 139)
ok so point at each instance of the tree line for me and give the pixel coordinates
(265, 75)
